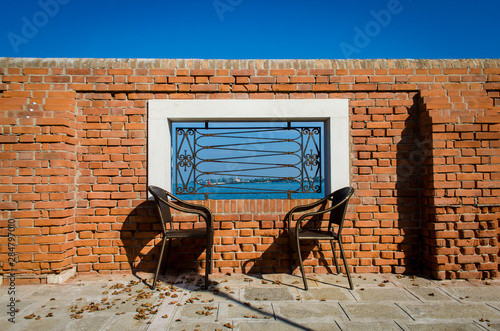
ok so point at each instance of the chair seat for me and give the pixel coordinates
(187, 233)
(316, 234)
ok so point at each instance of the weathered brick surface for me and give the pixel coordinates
(424, 162)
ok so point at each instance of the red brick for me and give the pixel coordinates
(202, 72)
(282, 72)
(222, 80)
(242, 72)
(204, 88)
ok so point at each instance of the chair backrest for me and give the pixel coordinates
(339, 198)
(163, 201)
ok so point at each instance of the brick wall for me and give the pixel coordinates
(425, 164)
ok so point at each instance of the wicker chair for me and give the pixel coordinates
(165, 201)
(336, 205)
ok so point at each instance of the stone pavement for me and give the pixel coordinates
(263, 302)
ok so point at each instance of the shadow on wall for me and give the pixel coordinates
(276, 256)
(272, 250)
(412, 153)
(401, 214)
(139, 236)
(402, 217)
(141, 243)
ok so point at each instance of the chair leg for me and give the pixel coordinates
(153, 286)
(335, 256)
(299, 255)
(208, 261)
(345, 264)
(165, 265)
(290, 255)
(208, 266)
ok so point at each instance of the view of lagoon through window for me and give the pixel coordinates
(248, 160)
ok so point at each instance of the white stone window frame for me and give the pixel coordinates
(333, 112)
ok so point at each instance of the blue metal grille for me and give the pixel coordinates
(249, 161)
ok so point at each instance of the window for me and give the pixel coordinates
(226, 118)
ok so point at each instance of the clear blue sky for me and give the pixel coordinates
(250, 29)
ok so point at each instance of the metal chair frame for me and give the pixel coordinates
(165, 201)
(338, 200)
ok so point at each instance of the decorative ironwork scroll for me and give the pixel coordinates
(248, 161)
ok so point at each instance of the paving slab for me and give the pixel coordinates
(411, 281)
(269, 325)
(431, 294)
(377, 294)
(199, 311)
(101, 322)
(325, 280)
(369, 280)
(269, 293)
(327, 294)
(246, 311)
(231, 294)
(450, 311)
(237, 280)
(189, 325)
(475, 294)
(467, 282)
(124, 322)
(54, 323)
(378, 326)
(294, 281)
(285, 326)
(442, 326)
(309, 311)
(374, 312)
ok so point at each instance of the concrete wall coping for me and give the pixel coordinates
(246, 64)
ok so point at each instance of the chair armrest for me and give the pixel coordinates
(301, 208)
(314, 213)
(189, 208)
(194, 209)
(184, 204)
